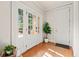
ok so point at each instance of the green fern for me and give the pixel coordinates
(46, 29)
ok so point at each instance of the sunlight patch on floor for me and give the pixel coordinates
(47, 55)
(56, 52)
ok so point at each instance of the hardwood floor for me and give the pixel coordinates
(48, 50)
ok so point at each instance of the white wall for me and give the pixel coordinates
(76, 30)
(4, 24)
(57, 17)
(27, 41)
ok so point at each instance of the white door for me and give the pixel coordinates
(61, 22)
(17, 39)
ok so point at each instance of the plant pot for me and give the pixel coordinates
(8, 52)
(46, 40)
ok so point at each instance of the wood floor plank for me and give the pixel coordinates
(48, 50)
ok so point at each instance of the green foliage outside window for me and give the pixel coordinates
(29, 23)
(20, 20)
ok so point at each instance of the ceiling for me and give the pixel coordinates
(47, 5)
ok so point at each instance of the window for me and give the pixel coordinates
(29, 23)
(38, 24)
(20, 22)
(34, 25)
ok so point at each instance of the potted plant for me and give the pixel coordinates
(46, 30)
(9, 50)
